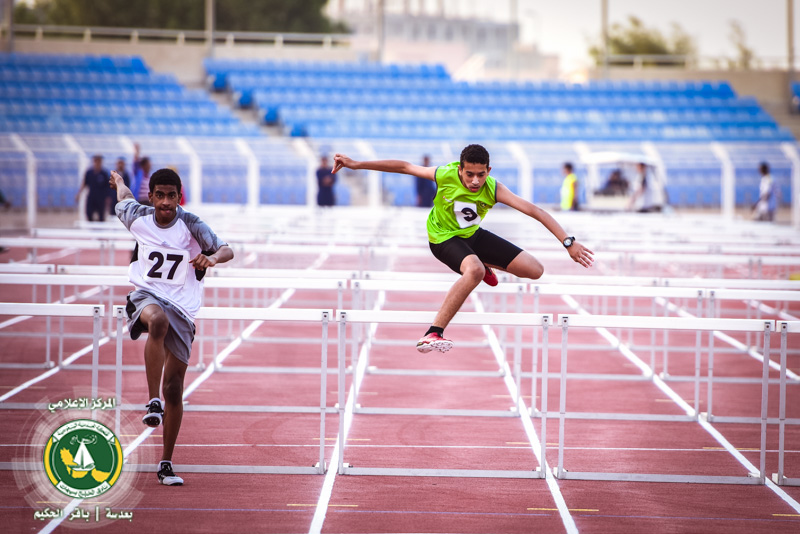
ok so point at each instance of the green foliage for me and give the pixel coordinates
(744, 54)
(638, 39)
(303, 16)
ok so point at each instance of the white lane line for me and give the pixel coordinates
(772, 311)
(708, 427)
(527, 423)
(330, 477)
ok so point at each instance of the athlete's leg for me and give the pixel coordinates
(157, 324)
(472, 272)
(174, 373)
(524, 266)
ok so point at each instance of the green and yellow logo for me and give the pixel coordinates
(83, 459)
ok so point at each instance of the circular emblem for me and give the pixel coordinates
(83, 459)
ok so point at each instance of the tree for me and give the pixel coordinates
(638, 39)
(230, 15)
(744, 54)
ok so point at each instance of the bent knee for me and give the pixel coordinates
(473, 270)
(158, 325)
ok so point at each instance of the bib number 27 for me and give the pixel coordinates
(466, 214)
(167, 266)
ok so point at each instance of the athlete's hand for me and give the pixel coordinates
(202, 262)
(339, 161)
(581, 254)
(113, 181)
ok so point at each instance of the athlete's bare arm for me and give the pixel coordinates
(118, 183)
(577, 251)
(201, 261)
(385, 165)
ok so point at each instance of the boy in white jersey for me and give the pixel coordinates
(173, 250)
(465, 193)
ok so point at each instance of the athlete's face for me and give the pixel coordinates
(165, 199)
(473, 175)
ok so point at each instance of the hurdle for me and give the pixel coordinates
(212, 283)
(345, 317)
(96, 312)
(785, 328)
(567, 321)
(321, 316)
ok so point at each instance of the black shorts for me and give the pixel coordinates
(490, 249)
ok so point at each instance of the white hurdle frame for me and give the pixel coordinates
(96, 312)
(357, 317)
(785, 328)
(322, 316)
(567, 321)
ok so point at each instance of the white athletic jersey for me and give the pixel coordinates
(160, 262)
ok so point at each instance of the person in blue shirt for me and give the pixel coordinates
(96, 181)
(325, 180)
(125, 177)
(426, 189)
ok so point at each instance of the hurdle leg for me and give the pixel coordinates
(709, 415)
(341, 362)
(48, 361)
(118, 372)
(764, 404)
(562, 402)
(96, 326)
(543, 444)
(782, 412)
(323, 393)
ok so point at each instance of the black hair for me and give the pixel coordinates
(474, 154)
(764, 167)
(165, 177)
(568, 166)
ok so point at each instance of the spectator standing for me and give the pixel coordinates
(96, 181)
(325, 181)
(648, 193)
(569, 189)
(141, 176)
(122, 171)
(764, 209)
(426, 189)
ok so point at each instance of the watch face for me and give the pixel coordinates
(568, 242)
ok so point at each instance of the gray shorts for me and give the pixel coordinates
(181, 329)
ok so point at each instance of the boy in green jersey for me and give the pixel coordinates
(465, 193)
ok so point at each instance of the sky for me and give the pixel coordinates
(568, 27)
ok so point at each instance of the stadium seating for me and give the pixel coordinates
(48, 93)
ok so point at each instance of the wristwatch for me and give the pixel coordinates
(568, 241)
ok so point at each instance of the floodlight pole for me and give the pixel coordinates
(790, 40)
(604, 31)
(381, 26)
(8, 22)
(210, 27)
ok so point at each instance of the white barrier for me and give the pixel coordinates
(320, 316)
(416, 317)
(568, 321)
(785, 328)
(96, 312)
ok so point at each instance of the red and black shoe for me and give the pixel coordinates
(489, 277)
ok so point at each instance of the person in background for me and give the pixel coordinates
(96, 181)
(122, 171)
(764, 210)
(648, 193)
(141, 176)
(325, 180)
(569, 189)
(426, 190)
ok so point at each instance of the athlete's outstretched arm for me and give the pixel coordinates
(384, 165)
(577, 251)
(118, 183)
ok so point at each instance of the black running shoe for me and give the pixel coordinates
(167, 476)
(154, 415)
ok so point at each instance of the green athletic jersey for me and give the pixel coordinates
(457, 211)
